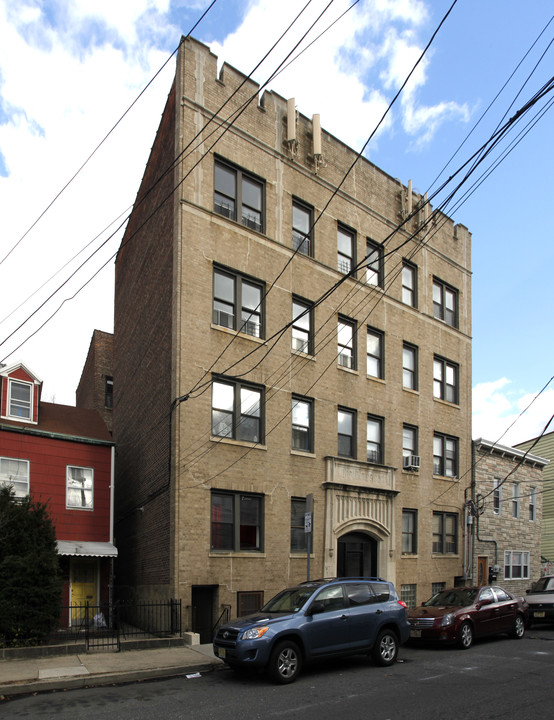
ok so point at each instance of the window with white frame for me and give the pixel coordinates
(238, 302)
(237, 411)
(515, 499)
(15, 473)
(20, 400)
(516, 565)
(532, 504)
(445, 380)
(80, 488)
(409, 367)
(375, 352)
(302, 327)
(346, 245)
(497, 497)
(346, 340)
(409, 284)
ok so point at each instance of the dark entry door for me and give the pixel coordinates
(203, 603)
(357, 556)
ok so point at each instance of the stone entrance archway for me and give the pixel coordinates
(357, 555)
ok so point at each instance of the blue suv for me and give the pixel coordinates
(317, 619)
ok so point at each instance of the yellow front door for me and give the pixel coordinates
(84, 587)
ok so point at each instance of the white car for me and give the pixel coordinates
(541, 600)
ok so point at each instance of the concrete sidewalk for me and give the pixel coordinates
(39, 674)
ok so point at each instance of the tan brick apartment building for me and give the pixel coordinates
(252, 370)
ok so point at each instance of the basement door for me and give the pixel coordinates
(203, 602)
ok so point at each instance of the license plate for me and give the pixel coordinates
(221, 653)
(415, 633)
(538, 613)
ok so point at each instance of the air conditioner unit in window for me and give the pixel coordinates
(345, 360)
(251, 328)
(411, 462)
(224, 319)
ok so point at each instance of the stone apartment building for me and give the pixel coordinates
(505, 522)
(279, 341)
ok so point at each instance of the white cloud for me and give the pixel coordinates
(507, 415)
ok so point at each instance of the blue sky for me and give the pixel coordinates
(70, 69)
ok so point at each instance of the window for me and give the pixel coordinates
(346, 338)
(239, 196)
(347, 433)
(302, 424)
(409, 367)
(532, 504)
(437, 587)
(515, 500)
(237, 411)
(237, 522)
(374, 268)
(375, 351)
(298, 538)
(108, 392)
(249, 603)
(409, 440)
(408, 594)
(302, 327)
(346, 244)
(80, 487)
(445, 380)
(238, 303)
(445, 533)
(409, 284)
(497, 497)
(375, 452)
(516, 565)
(409, 531)
(15, 473)
(445, 455)
(20, 400)
(302, 233)
(445, 303)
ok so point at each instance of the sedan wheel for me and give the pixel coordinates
(465, 635)
(285, 662)
(518, 630)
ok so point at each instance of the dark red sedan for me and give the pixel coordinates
(461, 614)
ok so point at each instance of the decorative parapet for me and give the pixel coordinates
(359, 474)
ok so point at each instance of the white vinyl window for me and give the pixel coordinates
(80, 488)
(516, 565)
(20, 400)
(15, 473)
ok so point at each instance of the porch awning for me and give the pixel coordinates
(86, 549)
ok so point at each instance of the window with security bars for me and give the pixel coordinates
(238, 195)
(249, 602)
(238, 302)
(302, 327)
(346, 245)
(346, 341)
(374, 440)
(408, 593)
(302, 232)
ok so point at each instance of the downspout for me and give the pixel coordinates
(112, 496)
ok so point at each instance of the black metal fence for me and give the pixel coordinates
(105, 626)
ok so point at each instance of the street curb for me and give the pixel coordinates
(9, 690)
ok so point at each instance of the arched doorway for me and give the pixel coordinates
(357, 555)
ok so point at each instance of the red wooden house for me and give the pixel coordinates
(64, 457)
